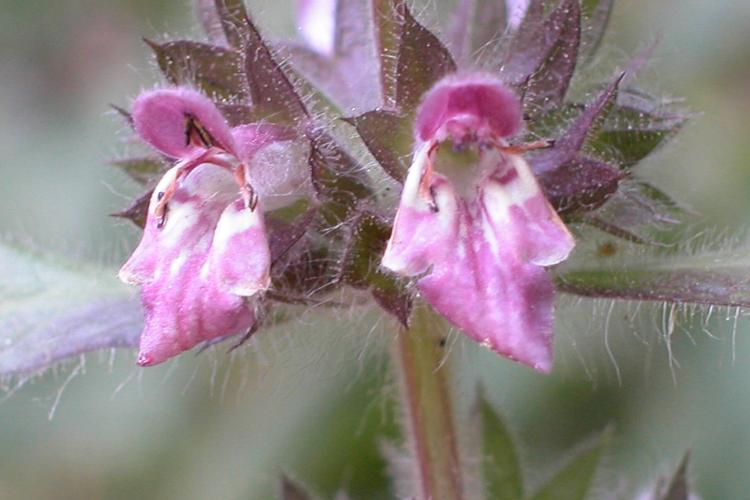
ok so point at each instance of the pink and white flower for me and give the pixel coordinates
(204, 253)
(474, 226)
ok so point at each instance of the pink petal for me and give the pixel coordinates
(161, 116)
(317, 24)
(186, 284)
(517, 208)
(478, 265)
(474, 103)
(240, 258)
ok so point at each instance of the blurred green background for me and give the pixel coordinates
(313, 400)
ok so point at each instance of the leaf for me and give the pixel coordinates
(125, 114)
(388, 28)
(137, 211)
(360, 266)
(502, 475)
(581, 185)
(208, 16)
(569, 145)
(595, 14)
(548, 84)
(631, 133)
(270, 89)
(638, 212)
(240, 114)
(338, 180)
(475, 26)
(290, 490)
(676, 275)
(422, 61)
(232, 16)
(529, 45)
(679, 489)
(217, 71)
(283, 236)
(388, 136)
(50, 311)
(574, 480)
(142, 170)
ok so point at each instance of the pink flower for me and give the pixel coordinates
(204, 252)
(473, 224)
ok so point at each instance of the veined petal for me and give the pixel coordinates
(193, 214)
(240, 259)
(166, 118)
(474, 103)
(317, 24)
(186, 310)
(480, 257)
(473, 280)
(418, 231)
(522, 216)
(187, 300)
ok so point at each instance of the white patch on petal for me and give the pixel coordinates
(410, 195)
(232, 223)
(498, 198)
(205, 270)
(178, 263)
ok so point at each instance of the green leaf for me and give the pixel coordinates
(232, 16)
(215, 70)
(208, 16)
(629, 134)
(137, 211)
(241, 114)
(337, 178)
(388, 136)
(548, 83)
(422, 61)
(142, 170)
(621, 270)
(502, 472)
(574, 480)
(679, 489)
(639, 212)
(595, 15)
(582, 185)
(270, 88)
(388, 28)
(50, 311)
(588, 122)
(360, 266)
(476, 26)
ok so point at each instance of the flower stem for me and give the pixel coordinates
(426, 393)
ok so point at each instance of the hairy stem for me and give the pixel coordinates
(426, 393)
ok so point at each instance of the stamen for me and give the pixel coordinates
(196, 134)
(249, 195)
(426, 189)
(518, 149)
